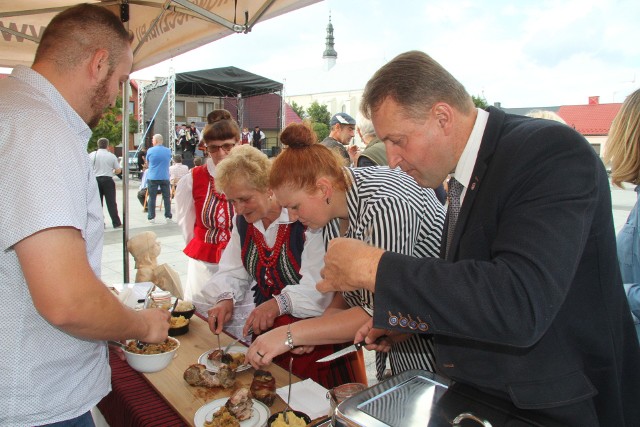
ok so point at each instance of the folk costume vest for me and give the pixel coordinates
(214, 214)
(271, 268)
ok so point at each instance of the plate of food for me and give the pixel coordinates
(238, 410)
(236, 361)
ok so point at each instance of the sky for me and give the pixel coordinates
(521, 53)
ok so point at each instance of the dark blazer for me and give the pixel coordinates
(530, 305)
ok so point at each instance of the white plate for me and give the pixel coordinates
(259, 418)
(211, 366)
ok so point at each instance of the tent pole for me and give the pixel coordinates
(125, 180)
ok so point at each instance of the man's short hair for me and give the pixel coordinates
(177, 158)
(103, 143)
(76, 33)
(159, 138)
(416, 82)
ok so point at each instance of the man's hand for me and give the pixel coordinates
(262, 317)
(219, 315)
(157, 321)
(349, 265)
(376, 339)
(354, 153)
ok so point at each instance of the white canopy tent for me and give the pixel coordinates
(162, 29)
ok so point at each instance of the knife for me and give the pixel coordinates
(354, 347)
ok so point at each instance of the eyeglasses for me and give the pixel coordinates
(224, 147)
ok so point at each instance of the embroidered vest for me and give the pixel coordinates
(214, 214)
(271, 269)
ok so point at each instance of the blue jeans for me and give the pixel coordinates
(165, 187)
(84, 420)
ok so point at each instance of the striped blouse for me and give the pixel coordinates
(389, 210)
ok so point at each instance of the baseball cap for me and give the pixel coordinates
(342, 118)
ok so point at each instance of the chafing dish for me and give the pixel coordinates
(421, 398)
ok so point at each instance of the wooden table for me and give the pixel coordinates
(185, 399)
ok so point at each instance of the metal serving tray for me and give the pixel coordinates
(406, 399)
(421, 398)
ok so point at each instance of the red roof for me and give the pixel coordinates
(2, 76)
(290, 116)
(590, 120)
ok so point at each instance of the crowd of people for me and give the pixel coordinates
(514, 285)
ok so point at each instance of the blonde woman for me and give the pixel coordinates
(623, 154)
(274, 261)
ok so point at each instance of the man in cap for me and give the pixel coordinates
(343, 128)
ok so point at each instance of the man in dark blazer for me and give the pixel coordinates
(528, 304)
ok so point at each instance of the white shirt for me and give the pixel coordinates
(103, 162)
(232, 277)
(467, 160)
(46, 375)
(177, 171)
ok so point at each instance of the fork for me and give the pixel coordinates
(226, 349)
(139, 344)
(286, 418)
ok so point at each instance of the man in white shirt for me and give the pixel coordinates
(177, 170)
(105, 164)
(55, 364)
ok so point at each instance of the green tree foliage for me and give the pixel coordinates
(480, 101)
(299, 109)
(321, 130)
(318, 113)
(110, 126)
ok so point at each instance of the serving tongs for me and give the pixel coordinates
(147, 299)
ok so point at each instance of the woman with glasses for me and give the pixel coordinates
(276, 262)
(202, 211)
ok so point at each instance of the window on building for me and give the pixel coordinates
(179, 108)
(205, 108)
(131, 106)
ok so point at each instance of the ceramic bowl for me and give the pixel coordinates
(305, 417)
(174, 332)
(151, 362)
(186, 314)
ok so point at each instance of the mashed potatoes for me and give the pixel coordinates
(178, 321)
(294, 420)
(183, 306)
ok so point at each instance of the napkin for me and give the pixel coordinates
(307, 396)
(130, 293)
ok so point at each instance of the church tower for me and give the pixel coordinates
(330, 55)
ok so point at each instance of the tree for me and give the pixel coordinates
(298, 109)
(110, 126)
(321, 130)
(480, 101)
(318, 113)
